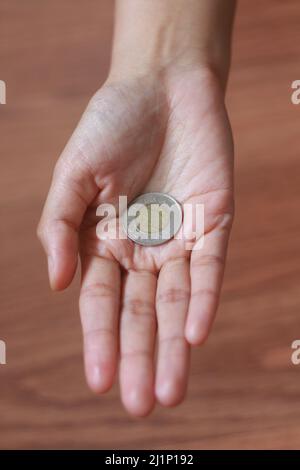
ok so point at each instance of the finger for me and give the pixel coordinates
(99, 311)
(137, 333)
(71, 191)
(173, 292)
(207, 269)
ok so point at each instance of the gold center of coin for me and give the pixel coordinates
(153, 218)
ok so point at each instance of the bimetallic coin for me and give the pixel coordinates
(152, 219)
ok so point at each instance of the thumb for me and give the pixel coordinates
(72, 190)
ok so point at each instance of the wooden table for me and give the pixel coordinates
(244, 391)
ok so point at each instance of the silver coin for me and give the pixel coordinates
(152, 219)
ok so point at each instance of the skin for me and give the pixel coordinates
(160, 128)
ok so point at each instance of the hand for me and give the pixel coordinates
(167, 133)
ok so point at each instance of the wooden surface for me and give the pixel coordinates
(244, 392)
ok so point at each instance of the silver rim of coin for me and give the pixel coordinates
(152, 219)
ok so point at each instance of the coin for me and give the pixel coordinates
(152, 219)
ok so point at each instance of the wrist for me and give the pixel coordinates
(152, 36)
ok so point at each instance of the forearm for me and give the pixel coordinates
(153, 34)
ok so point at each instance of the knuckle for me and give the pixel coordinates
(97, 289)
(173, 295)
(58, 168)
(173, 339)
(210, 293)
(40, 231)
(138, 307)
(208, 260)
(136, 352)
(93, 337)
(227, 219)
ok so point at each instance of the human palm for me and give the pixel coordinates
(170, 134)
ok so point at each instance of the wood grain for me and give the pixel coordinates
(244, 392)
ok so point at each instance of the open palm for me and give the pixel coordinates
(167, 133)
